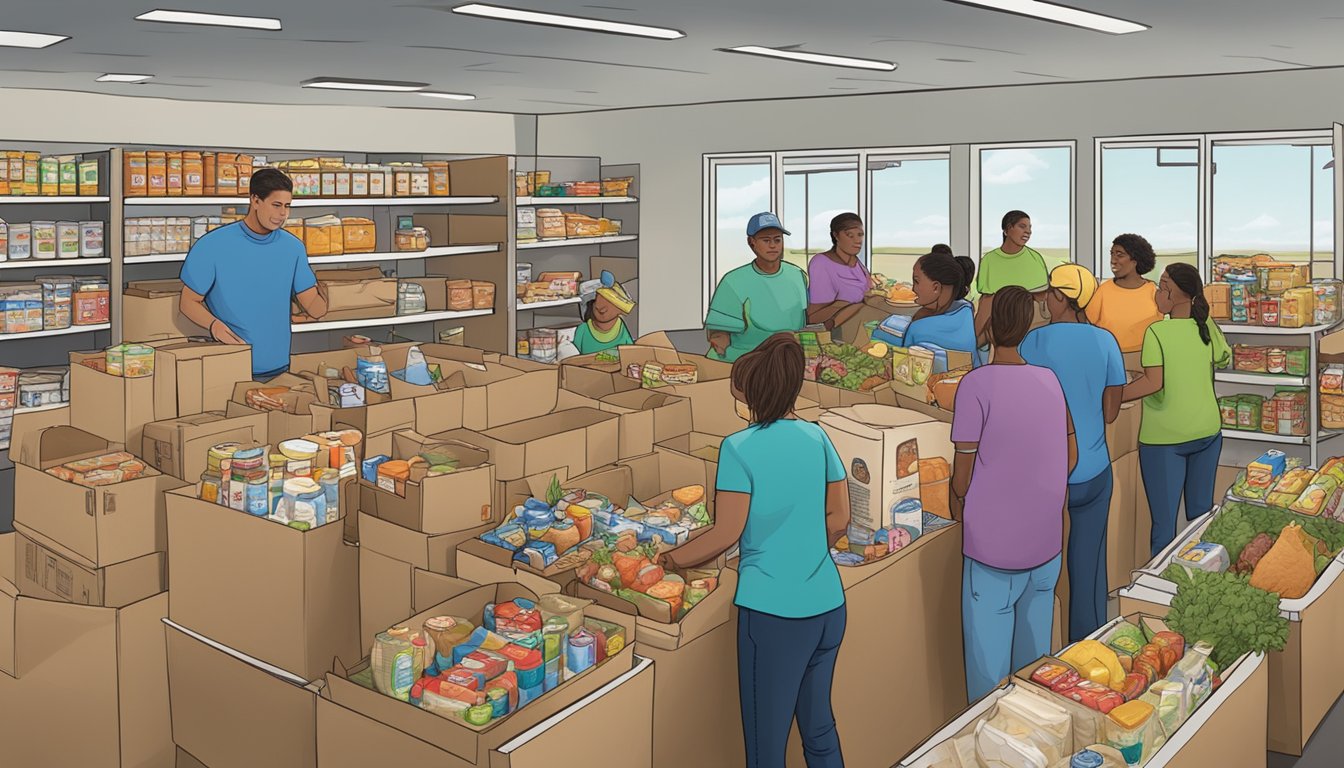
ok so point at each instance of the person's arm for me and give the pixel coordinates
(314, 301)
(730, 519)
(1073, 442)
(837, 510)
(192, 305)
(308, 292)
(1150, 382)
(725, 316)
(982, 310)
(968, 423)
(1111, 400)
(963, 465)
(1116, 378)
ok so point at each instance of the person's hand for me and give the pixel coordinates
(223, 334)
(719, 341)
(875, 280)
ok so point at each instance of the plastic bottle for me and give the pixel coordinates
(417, 370)
(392, 662)
(1193, 675)
(330, 480)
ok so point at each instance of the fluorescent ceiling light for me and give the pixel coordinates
(1060, 14)
(572, 22)
(210, 19)
(815, 58)
(115, 78)
(348, 84)
(29, 39)
(453, 96)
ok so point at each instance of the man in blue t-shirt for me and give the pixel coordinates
(240, 280)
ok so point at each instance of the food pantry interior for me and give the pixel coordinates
(405, 383)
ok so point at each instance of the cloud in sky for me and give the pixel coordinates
(1005, 167)
(1258, 224)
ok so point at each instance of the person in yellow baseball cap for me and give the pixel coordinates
(606, 304)
(1086, 360)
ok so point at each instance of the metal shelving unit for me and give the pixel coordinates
(319, 202)
(379, 322)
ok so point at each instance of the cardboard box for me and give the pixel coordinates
(495, 389)
(314, 367)
(699, 446)
(1122, 435)
(358, 293)
(462, 229)
(580, 439)
(647, 418)
(390, 729)
(584, 375)
(185, 760)
(23, 434)
(710, 614)
(680, 706)
(179, 447)
(921, 584)
(286, 597)
(880, 447)
(231, 709)
(120, 700)
(297, 418)
(195, 377)
(45, 571)
(445, 504)
(102, 526)
(112, 407)
(376, 422)
(149, 312)
(389, 556)
(891, 397)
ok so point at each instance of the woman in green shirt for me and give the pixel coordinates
(1180, 438)
(1012, 263)
(603, 327)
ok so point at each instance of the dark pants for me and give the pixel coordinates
(1169, 470)
(1089, 512)
(784, 669)
(268, 375)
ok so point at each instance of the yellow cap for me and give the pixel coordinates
(618, 297)
(1075, 282)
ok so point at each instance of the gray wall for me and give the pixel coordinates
(669, 143)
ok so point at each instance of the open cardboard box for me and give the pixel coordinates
(579, 438)
(46, 570)
(444, 504)
(409, 732)
(496, 389)
(378, 422)
(647, 417)
(100, 526)
(149, 311)
(696, 445)
(284, 596)
(114, 408)
(218, 694)
(179, 446)
(194, 377)
(313, 367)
(24, 445)
(356, 293)
(295, 420)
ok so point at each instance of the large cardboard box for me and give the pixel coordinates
(910, 599)
(660, 633)
(231, 709)
(680, 706)
(112, 407)
(149, 312)
(1122, 435)
(448, 503)
(880, 447)
(179, 446)
(296, 420)
(697, 445)
(185, 760)
(356, 293)
(647, 418)
(495, 389)
(377, 423)
(284, 596)
(23, 435)
(390, 729)
(462, 229)
(579, 438)
(45, 570)
(195, 377)
(101, 671)
(102, 526)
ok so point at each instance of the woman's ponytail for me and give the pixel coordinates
(1187, 279)
(967, 265)
(955, 272)
(1199, 310)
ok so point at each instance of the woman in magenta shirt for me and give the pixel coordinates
(1014, 450)
(837, 280)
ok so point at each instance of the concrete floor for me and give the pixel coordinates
(1326, 748)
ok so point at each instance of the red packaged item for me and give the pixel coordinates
(486, 665)
(521, 657)
(1056, 675)
(1172, 640)
(465, 677)
(449, 690)
(1094, 696)
(1136, 684)
(509, 682)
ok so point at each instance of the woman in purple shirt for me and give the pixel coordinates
(837, 281)
(1014, 451)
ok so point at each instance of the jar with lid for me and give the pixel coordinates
(1327, 301)
(301, 502)
(410, 298)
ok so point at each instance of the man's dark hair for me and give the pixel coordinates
(268, 180)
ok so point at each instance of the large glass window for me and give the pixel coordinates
(1276, 199)
(1151, 191)
(1037, 180)
(816, 190)
(910, 201)
(740, 188)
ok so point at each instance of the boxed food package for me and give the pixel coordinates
(360, 235)
(358, 292)
(324, 236)
(581, 225)
(179, 447)
(415, 501)
(551, 224)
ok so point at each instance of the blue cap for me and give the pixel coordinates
(765, 221)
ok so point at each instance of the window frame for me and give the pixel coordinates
(975, 197)
(710, 210)
(1159, 142)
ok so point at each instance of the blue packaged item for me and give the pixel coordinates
(417, 370)
(1086, 759)
(552, 674)
(892, 330)
(369, 467)
(652, 532)
(531, 678)
(580, 651)
(846, 558)
(537, 554)
(499, 701)
(372, 375)
(526, 695)
(488, 617)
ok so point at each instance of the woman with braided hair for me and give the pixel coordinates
(1181, 435)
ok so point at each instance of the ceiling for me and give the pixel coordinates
(526, 69)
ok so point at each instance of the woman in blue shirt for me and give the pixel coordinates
(781, 490)
(1086, 360)
(945, 318)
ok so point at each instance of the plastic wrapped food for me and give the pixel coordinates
(1203, 556)
(1056, 675)
(1313, 499)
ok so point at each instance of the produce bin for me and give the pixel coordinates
(1305, 678)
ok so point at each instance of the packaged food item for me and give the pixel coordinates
(1095, 696)
(1276, 360)
(88, 177)
(1203, 556)
(921, 365)
(412, 239)
(1332, 411)
(1313, 499)
(551, 224)
(1269, 310)
(1249, 412)
(91, 301)
(460, 295)
(1289, 567)
(90, 240)
(1056, 675)
(21, 243)
(1249, 359)
(1298, 361)
(1227, 410)
(1332, 379)
(1298, 308)
(1128, 730)
(360, 235)
(44, 240)
(57, 305)
(1327, 301)
(1269, 416)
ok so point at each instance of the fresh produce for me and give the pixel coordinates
(1095, 662)
(1224, 610)
(1288, 568)
(848, 367)
(1238, 522)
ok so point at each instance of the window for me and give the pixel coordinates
(1034, 179)
(816, 190)
(1275, 198)
(910, 201)
(739, 187)
(1151, 191)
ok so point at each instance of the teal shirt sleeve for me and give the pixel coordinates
(624, 339)
(733, 476)
(726, 312)
(835, 469)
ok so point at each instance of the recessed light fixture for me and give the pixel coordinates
(29, 39)
(814, 58)
(452, 96)
(1060, 14)
(115, 78)
(350, 84)
(571, 22)
(210, 19)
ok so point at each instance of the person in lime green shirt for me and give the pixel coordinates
(606, 303)
(1180, 438)
(760, 299)
(1012, 263)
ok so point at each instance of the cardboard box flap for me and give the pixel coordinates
(429, 589)
(349, 274)
(407, 443)
(656, 339)
(867, 420)
(153, 289)
(545, 426)
(640, 399)
(58, 445)
(616, 482)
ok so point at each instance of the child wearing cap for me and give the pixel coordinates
(1087, 362)
(759, 299)
(605, 305)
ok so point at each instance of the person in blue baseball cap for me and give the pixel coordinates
(757, 300)
(605, 304)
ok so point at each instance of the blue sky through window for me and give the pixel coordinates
(1031, 179)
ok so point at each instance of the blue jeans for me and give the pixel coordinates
(1006, 618)
(1169, 470)
(784, 669)
(1089, 511)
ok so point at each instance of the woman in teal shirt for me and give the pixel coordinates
(781, 490)
(945, 318)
